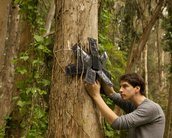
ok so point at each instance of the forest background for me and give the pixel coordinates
(38, 100)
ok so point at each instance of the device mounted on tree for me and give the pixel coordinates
(91, 65)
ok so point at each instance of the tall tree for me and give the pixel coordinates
(168, 39)
(72, 113)
(9, 40)
(146, 70)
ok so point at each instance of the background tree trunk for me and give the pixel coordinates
(25, 37)
(4, 10)
(146, 69)
(72, 112)
(9, 52)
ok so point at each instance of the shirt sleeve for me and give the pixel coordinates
(125, 105)
(141, 116)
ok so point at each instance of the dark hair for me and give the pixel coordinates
(135, 80)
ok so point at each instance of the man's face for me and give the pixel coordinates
(127, 91)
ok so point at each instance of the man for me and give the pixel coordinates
(144, 118)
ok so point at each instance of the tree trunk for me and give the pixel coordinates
(72, 112)
(9, 51)
(4, 10)
(25, 37)
(146, 69)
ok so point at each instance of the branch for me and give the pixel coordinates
(144, 38)
(50, 17)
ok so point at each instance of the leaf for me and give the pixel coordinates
(15, 98)
(21, 103)
(21, 70)
(32, 90)
(14, 61)
(38, 113)
(17, 1)
(37, 62)
(44, 49)
(38, 38)
(45, 82)
(37, 75)
(41, 92)
(24, 57)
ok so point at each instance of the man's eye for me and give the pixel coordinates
(124, 86)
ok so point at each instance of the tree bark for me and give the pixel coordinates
(9, 52)
(146, 69)
(72, 112)
(159, 51)
(4, 10)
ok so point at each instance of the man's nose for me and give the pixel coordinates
(120, 90)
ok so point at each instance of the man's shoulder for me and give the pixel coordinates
(150, 103)
(151, 106)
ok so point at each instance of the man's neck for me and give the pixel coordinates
(138, 99)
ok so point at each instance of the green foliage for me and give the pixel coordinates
(32, 90)
(37, 123)
(2, 132)
(32, 66)
(117, 57)
(109, 132)
(127, 30)
(30, 12)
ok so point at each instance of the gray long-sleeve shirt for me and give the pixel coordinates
(145, 121)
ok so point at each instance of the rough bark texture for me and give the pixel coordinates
(25, 38)
(7, 71)
(72, 112)
(4, 10)
(146, 69)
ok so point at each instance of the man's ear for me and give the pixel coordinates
(138, 88)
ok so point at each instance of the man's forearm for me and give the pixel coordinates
(109, 115)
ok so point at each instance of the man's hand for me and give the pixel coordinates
(94, 92)
(93, 89)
